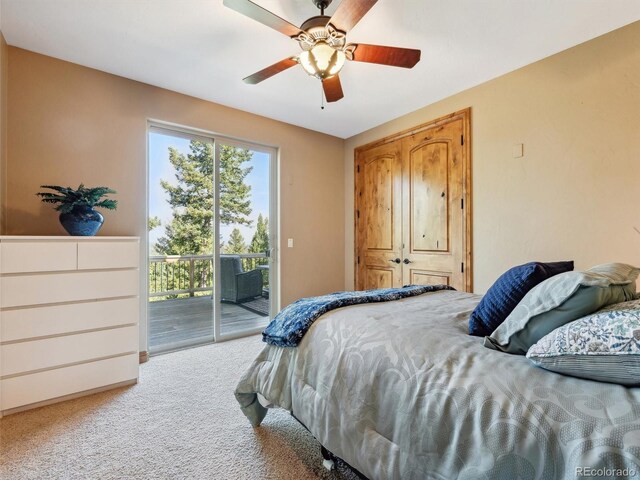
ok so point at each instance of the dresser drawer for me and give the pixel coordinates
(37, 387)
(25, 257)
(111, 254)
(27, 290)
(27, 356)
(24, 323)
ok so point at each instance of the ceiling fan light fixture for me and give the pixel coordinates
(322, 61)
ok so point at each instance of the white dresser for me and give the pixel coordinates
(69, 311)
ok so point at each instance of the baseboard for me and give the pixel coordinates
(144, 357)
(71, 396)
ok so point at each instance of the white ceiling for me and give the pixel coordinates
(203, 49)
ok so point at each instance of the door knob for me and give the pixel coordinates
(406, 261)
(397, 260)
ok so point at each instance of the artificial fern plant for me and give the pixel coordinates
(66, 198)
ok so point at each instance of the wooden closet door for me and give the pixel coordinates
(433, 213)
(379, 217)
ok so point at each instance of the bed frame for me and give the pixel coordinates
(329, 459)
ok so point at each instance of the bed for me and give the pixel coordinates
(400, 390)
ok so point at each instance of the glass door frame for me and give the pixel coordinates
(274, 213)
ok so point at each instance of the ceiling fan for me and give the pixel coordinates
(323, 41)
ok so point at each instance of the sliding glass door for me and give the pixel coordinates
(244, 281)
(212, 274)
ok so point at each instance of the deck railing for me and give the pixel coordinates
(174, 275)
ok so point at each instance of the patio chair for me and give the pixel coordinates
(236, 284)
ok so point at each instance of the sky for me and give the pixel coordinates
(161, 169)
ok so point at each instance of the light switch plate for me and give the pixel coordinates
(290, 242)
(518, 150)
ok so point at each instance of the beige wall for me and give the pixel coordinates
(70, 124)
(575, 193)
(4, 73)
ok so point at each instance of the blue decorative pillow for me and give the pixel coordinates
(562, 299)
(604, 346)
(507, 291)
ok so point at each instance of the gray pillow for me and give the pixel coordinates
(604, 346)
(560, 300)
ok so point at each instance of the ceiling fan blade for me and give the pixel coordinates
(394, 56)
(332, 88)
(349, 13)
(270, 71)
(262, 15)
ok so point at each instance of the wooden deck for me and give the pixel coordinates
(187, 321)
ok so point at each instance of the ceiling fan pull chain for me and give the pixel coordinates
(321, 97)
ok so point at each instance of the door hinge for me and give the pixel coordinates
(358, 259)
(462, 203)
(462, 267)
(461, 139)
(358, 214)
(358, 168)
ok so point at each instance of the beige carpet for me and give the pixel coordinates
(181, 421)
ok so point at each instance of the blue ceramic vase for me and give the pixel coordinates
(82, 221)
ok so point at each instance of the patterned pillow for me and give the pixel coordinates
(507, 291)
(604, 346)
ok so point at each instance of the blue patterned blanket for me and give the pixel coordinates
(289, 326)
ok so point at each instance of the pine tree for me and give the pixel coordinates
(235, 195)
(154, 222)
(235, 244)
(190, 231)
(260, 240)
